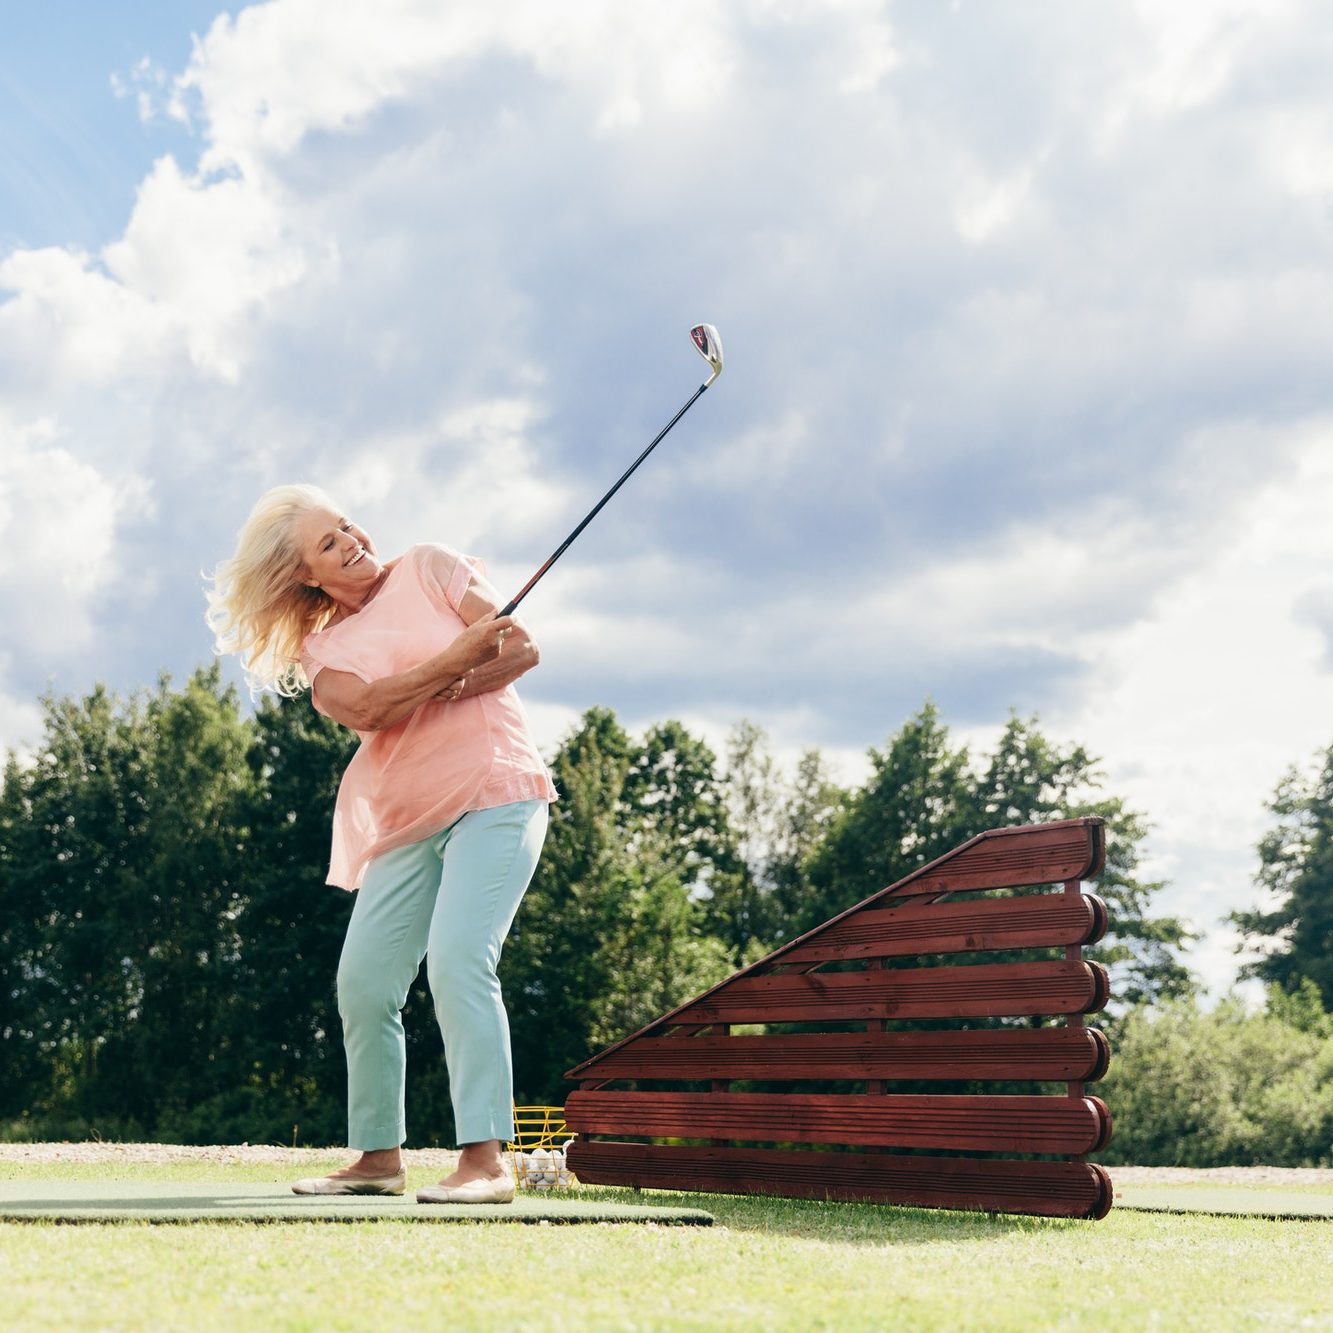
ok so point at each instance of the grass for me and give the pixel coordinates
(767, 1264)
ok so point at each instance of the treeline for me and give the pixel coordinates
(1226, 1086)
(168, 946)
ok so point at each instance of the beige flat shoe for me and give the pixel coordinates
(496, 1189)
(352, 1184)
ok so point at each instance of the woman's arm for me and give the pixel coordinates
(373, 706)
(518, 655)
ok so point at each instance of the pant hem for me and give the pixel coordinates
(495, 1130)
(378, 1141)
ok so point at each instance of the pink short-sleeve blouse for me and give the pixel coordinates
(417, 777)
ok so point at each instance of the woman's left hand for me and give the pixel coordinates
(518, 654)
(454, 690)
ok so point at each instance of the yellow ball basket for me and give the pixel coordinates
(537, 1151)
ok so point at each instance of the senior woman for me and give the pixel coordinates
(440, 816)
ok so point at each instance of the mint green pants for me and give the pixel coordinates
(450, 899)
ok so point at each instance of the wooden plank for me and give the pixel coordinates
(1049, 1054)
(1047, 1189)
(1013, 857)
(970, 863)
(978, 1123)
(989, 991)
(876, 1085)
(1040, 920)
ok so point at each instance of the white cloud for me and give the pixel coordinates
(1024, 312)
(276, 73)
(991, 205)
(473, 474)
(206, 252)
(1202, 705)
(70, 323)
(147, 84)
(20, 718)
(199, 257)
(1196, 46)
(60, 519)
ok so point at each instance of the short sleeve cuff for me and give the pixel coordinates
(448, 572)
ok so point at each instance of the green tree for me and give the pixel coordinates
(1031, 779)
(917, 804)
(190, 883)
(69, 814)
(609, 934)
(283, 1031)
(23, 1067)
(672, 787)
(1222, 1087)
(683, 861)
(778, 824)
(552, 969)
(925, 796)
(124, 845)
(1295, 934)
(656, 951)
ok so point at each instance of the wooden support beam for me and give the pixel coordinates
(1036, 921)
(976, 1123)
(1010, 990)
(1054, 1055)
(1048, 1189)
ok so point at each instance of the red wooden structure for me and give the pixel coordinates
(660, 1109)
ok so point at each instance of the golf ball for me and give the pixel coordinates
(542, 1174)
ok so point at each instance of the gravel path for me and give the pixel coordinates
(442, 1159)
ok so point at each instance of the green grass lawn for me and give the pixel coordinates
(767, 1264)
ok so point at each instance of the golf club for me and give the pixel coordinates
(710, 348)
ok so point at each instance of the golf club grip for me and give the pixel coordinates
(597, 508)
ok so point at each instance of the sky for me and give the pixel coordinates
(1026, 405)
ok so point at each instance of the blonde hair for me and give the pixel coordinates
(258, 606)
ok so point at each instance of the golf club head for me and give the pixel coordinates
(707, 340)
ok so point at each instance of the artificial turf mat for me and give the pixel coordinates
(1225, 1201)
(174, 1201)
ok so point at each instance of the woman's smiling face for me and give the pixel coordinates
(339, 556)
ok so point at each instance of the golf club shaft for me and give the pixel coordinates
(596, 509)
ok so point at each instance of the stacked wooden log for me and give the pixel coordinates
(861, 1061)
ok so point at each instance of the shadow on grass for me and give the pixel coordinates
(853, 1223)
(867, 1224)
